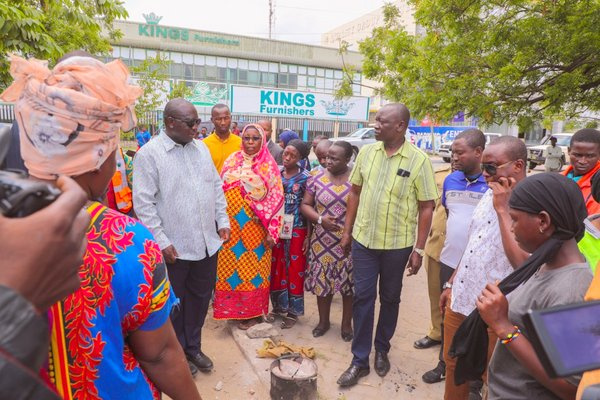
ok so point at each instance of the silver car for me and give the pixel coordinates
(445, 150)
(361, 137)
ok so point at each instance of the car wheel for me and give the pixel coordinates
(446, 159)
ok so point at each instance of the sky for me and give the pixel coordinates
(296, 21)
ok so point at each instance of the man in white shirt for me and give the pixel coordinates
(178, 194)
(491, 253)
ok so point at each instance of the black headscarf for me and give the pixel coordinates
(596, 186)
(561, 198)
(302, 147)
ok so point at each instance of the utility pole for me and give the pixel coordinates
(271, 18)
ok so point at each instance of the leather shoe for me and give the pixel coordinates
(352, 374)
(201, 361)
(425, 343)
(193, 369)
(435, 375)
(382, 363)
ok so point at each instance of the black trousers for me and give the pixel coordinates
(193, 282)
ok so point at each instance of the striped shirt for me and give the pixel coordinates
(391, 189)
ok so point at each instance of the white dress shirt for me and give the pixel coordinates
(484, 260)
(178, 194)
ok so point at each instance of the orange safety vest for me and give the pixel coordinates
(585, 184)
(123, 194)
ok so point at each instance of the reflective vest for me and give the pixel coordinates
(123, 194)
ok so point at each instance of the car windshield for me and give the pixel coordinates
(561, 140)
(358, 133)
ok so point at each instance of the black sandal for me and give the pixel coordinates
(320, 331)
(347, 336)
(288, 321)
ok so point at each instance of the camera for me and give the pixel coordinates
(19, 195)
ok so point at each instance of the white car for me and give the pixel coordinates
(361, 137)
(536, 155)
(445, 150)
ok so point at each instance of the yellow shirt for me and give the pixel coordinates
(221, 149)
(437, 234)
(391, 189)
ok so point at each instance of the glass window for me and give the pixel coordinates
(232, 62)
(311, 71)
(125, 53)
(311, 81)
(293, 81)
(253, 65)
(294, 69)
(268, 79)
(301, 80)
(329, 73)
(176, 57)
(211, 72)
(233, 73)
(273, 67)
(139, 54)
(263, 66)
(283, 68)
(176, 70)
(188, 58)
(150, 53)
(356, 89)
(223, 74)
(338, 74)
(357, 77)
(199, 60)
(221, 62)
(243, 64)
(199, 72)
(320, 72)
(320, 83)
(242, 76)
(253, 78)
(283, 79)
(188, 71)
(211, 60)
(329, 84)
(116, 52)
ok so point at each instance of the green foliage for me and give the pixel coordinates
(496, 59)
(180, 90)
(150, 75)
(47, 29)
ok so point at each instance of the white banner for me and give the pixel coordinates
(288, 103)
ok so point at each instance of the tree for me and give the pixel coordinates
(499, 60)
(47, 29)
(180, 90)
(151, 75)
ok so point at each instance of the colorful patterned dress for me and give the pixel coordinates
(329, 270)
(289, 262)
(124, 287)
(244, 265)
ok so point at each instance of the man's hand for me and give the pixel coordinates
(414, 263)
(42, 253)
(493, 309)
(445, 299)
(329, 224)
(502, 190)
(170, 254)
(346, 243)
(305, 246)
(224, 234)
(269, 241)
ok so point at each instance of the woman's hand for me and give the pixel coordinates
(493, 308)
(329, 224)
(269, 241)
(305, 245)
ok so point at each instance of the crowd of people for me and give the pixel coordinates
(133, 252)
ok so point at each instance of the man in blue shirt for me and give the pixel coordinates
(461, 192)
(143, 136)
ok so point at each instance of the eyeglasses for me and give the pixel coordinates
(189, 123)
(251, 138)
(492, 169)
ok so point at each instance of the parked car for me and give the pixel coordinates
(536, 155)
(361, 137)
(445, 150)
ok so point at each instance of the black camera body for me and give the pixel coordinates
(21, 196)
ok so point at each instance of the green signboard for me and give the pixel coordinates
(152, 29)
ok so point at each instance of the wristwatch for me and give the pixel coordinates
(420, 252)
(447, 285)
(320, 220)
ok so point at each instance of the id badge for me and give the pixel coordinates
(288, 226)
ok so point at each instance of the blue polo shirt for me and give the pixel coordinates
(460, 196)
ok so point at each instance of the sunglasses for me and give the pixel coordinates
(492, 169)
(251, 138)
(189, 123)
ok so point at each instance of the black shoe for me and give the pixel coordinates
(193, 369)
(351, 375)
(437, 374)
(475, 390)
(425, 343)
(201, 361)
(382, 363)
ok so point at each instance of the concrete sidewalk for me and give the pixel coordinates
(334, 356)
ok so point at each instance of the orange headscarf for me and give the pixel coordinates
(69, 117)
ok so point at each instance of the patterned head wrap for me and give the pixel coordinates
(259, 179)
(286, 136)
(70, 117)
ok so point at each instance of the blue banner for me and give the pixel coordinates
(420, 136)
